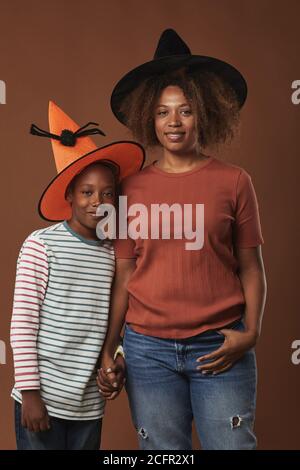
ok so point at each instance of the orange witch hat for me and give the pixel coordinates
(73, 151)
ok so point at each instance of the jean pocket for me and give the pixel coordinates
(129, 329)
(237, 325)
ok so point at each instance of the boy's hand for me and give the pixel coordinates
(111, 377)
(34, 413)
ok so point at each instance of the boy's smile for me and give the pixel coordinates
(94, 186)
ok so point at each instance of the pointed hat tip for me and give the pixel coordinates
(52, 105)
(52, 109)
(170, 43)
(169, 32)
(168, 29)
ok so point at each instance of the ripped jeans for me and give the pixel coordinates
(166, 392)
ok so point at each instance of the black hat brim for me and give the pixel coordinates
(169, 64)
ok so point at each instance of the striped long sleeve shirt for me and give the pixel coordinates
(59, 320)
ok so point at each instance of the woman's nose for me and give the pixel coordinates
(174, 119)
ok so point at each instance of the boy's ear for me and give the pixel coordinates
(69, 196)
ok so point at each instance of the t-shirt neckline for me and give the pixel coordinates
(80, 237)
(183, 173)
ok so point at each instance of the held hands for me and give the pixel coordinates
(34, 412)
(111, 377)
(235, 345)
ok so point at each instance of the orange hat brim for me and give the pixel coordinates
(130, 156)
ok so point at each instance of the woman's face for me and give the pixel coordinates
(174, 121)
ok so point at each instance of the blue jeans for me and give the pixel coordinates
(166, 392)
(64, 434)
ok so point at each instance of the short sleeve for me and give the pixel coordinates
(247, 227)
(124, 249)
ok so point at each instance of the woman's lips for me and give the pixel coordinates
(175, 136)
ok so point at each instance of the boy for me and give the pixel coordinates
(62, 293)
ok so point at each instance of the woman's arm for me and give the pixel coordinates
(111, 374)
(119, 304)
(252, 275)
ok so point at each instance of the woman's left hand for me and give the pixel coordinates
(235, 345)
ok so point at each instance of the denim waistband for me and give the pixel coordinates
(236, 324)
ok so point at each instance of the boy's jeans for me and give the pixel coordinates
(64, 434)
(166, 392)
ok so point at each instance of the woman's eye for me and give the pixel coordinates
(162, 113)
(187, 112)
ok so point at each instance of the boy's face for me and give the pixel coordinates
(94, 186)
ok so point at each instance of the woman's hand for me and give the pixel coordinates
(111, 377)
(235, 345)
(34, 412)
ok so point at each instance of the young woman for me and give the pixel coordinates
(193, 316)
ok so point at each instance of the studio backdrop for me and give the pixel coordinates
(74, 52)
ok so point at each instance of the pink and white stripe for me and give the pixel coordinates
(30, 288)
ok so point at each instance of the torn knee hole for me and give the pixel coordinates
(143, 433)
(236, 421)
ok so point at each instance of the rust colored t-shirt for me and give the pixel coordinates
(175, 292)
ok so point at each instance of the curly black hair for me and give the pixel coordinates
(212, 100)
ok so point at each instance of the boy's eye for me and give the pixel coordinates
(108, 194)
(88, 193)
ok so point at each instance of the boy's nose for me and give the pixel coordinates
(97, 201)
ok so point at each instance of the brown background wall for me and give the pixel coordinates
(74, 52)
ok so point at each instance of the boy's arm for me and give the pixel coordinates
(30, 288)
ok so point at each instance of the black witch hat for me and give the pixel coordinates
(171, 54)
